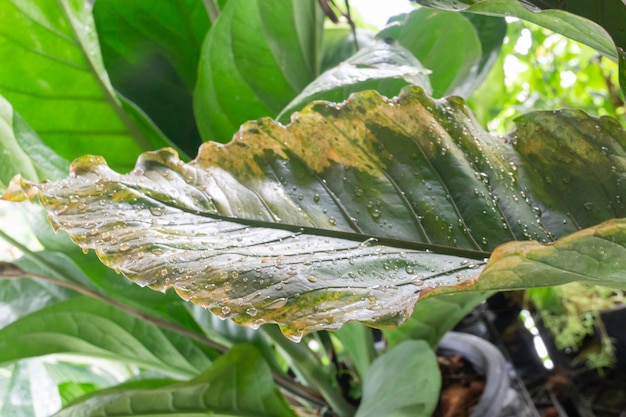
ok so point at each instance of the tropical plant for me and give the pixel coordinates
(350, 211)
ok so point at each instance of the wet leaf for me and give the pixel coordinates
(239, 383)
(348, 213)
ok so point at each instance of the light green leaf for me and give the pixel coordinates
(86, 326)
(57, 82)
(239, 383)
(30, 157)
(444, 42)
(255, 60)
(389, 199)
(568, 24)
(403, 382)
(378, 66)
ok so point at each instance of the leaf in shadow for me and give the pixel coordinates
(347, 214)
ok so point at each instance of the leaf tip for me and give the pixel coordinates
(19, 190)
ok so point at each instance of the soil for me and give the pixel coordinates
(461, 387)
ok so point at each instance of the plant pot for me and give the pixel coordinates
(498, 399)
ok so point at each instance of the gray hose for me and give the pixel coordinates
(487, 359)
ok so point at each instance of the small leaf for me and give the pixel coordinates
(239, 383)
(404, 382)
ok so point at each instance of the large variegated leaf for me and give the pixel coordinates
(348, 213)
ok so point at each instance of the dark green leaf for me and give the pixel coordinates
(403, 382)
(87, 326)
(255, 60)
(57, 82)
(151, 51)
(444, 42)
(239, 383)
(314, 230)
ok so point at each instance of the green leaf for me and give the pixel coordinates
(568, 24)
(403, 382)
(29, 391)
(358, 342)
(491, 32)
(434, 317)
(255, 60)
(57, 82)
(86, 326)
(239, 383)
(595, 255)
(147, 44)
(389, 199)
(30, 157)
(444, 42)
(378, 66)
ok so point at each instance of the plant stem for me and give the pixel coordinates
(212, 9)
(311, 369)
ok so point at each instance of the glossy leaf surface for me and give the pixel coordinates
(239, 383)
(329, 220)
(57, 83)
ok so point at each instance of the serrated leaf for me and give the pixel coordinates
(404, 382)
(257, 57)
(56, 81)
(86, 326)
(239, 383)
(348, 213)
